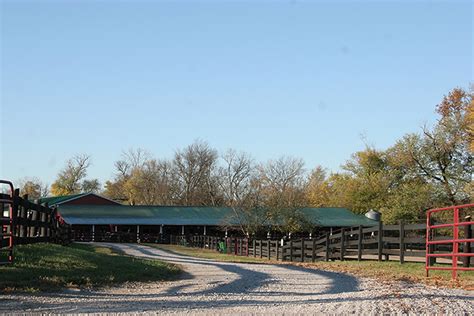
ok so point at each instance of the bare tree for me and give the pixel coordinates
(193, 168)
(240, 187)
(284, 184)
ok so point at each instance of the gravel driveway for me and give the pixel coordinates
(210, 287)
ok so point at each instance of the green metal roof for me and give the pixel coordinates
(335, 217)
(52, 200)
(192, 215)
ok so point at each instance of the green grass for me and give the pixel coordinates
(48, 267)
(384, 271)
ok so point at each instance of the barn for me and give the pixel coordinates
(97, 218)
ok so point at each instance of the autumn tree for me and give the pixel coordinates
(440, 155)
(34, 188)
(151, 183)
(70, 178)
(123, 186)
(317, 189)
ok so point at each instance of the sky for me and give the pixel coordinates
(310, 79)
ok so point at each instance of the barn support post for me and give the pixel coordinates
(93, 232)
(359, 243)
(182, 229)
(205, 230)
(138, 233)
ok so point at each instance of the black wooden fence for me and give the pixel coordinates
(402, 242)
(25, 222)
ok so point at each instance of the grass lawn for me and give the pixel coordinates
(384, 271)
(48, 267)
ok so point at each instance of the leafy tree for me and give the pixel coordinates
(318, 192)
(92, 186)
(441, 154)
(69, 180)
(34, 188)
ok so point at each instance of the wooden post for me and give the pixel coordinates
(261, 248)
(343, 243)
(93, 232)
(432, 260)
(380, 241)
(327, 246)
(138, 233)
(268, 248)
(302, 250)
(359, 243)
(467, 245)
(291, 250)
(402, 242)
(254, 248)
(240, 246)
(313, 251)
(277, 250)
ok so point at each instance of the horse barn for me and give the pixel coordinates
(96, 218)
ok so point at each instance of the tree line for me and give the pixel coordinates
(422, 170)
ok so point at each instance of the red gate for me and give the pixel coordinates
(455, 241)
(6, 222)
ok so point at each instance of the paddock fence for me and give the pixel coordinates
(401, 242)
(26, 222)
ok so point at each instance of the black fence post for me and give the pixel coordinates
(277, 250)
(269, 248)
(302, 250)
(343, 243)
(359, 243)
(467, 245)
(291, 250)
(402, 241)
(313, 251)
(380, 241)
(327, 246)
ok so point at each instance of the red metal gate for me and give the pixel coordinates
(6, 222)
(455, 240)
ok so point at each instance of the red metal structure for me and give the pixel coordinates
(455, 240)
(6, 221)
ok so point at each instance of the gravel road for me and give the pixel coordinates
(210, 287)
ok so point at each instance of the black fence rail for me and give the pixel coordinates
(401, 242)
(25, 222)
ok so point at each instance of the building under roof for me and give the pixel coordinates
(94, 217)
(193, 215)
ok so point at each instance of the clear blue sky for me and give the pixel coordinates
(271, 78)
